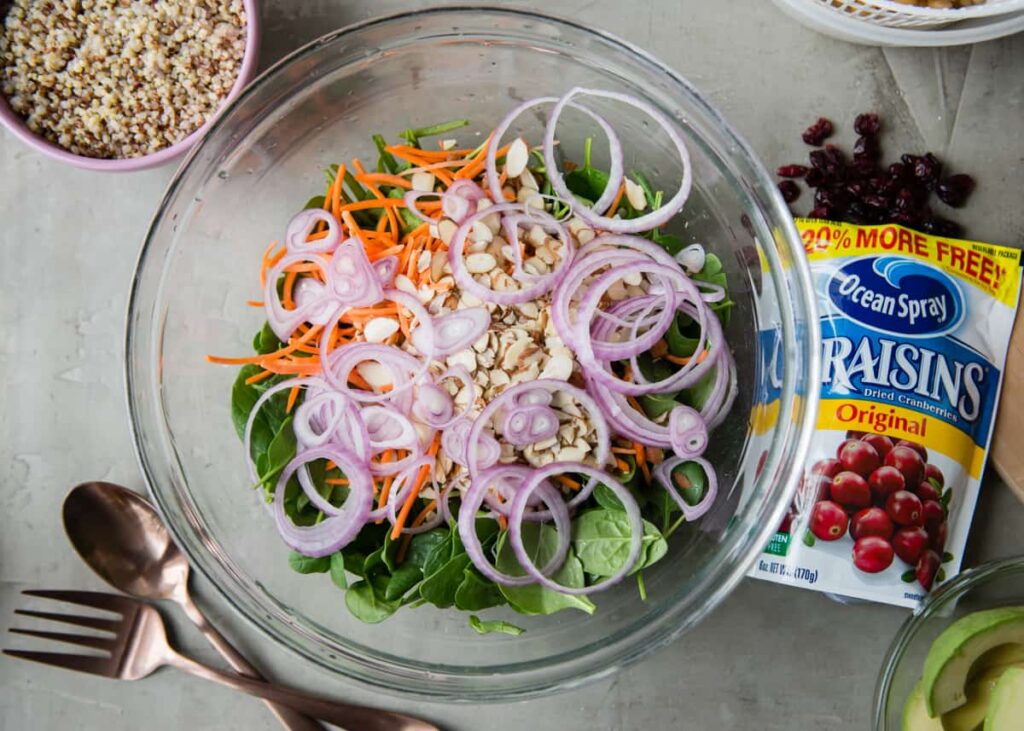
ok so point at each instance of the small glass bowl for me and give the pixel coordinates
(990, 585)
(259, 164)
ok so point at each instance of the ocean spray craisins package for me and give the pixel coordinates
(915, 330)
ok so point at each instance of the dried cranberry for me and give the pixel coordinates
(866, 148)
(905, 200)
(927, 168)
(875, 201)
(822, 212)
(867, 124)
(791, 171)
(819, 160)
(814, 177)
(909, 161)
(897, 171)
(864, 168)
(790, 190)
(817, 132)
(856, 189)
(953, 191)
(910, 220)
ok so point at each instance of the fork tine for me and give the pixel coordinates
(97, 599)
(107, 625)
(100, 643)
(82, 663)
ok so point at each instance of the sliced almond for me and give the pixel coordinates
(448, 144)
(480, 263)
(634, 279)
(466, 358)
(404, 284)
(527, 180)
(423, 181)
(516, 158)
(635, 195)
(481, 232)
(511, 357)
(559, 367)
(467, 299)
(571, 454)
(437, 262)
(423, 263)
(529, 310)
(499, 378)
(546, 444)
(380, 329)
(446, 230)
(375, 374)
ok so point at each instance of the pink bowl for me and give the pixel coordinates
(17, 126)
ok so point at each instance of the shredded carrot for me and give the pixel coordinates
(623, 464)
(335, 481)
(418, 520)
(568, 482)
(268, 357)
(503, 522)
(641, 460)
(254, 303)
(681, 360)
(616, 201)
(386, 489)
(293, 394)
(383, 178)
(258, 377)
(421, 478)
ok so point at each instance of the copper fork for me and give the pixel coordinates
(137, 645)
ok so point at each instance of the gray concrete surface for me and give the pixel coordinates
(769, 658)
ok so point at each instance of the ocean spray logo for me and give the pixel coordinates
(897, 295)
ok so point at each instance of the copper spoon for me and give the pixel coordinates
(121, 537)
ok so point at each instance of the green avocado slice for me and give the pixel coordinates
(954, 652)
(915, 714)
(971, 715)
(1006, 707)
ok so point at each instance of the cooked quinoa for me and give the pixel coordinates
(119, 78)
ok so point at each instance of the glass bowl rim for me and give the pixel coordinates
(951, 590)
(793, 403)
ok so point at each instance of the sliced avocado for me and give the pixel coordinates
(1001, 656)
(1006, 707)
(971, 715)
(955, 651)
(915, 715)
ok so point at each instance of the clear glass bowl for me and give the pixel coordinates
(990, 585)
(259, 164)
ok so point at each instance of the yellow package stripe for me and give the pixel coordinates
(994, 269)
(899, 423)
(764, 417)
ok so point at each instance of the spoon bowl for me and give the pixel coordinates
(121, 537)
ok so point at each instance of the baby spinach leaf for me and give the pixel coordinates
(266, 341)
(412, 136)
(280, 452)
(476, 592)
(308, 564)
(658, 404)
(680, 341)
(541, 541)
(367, 602)
(601, 539)
(337, 570)
(316, 201)
(439, 587)
(489, 626)
(587, 182)
(438, 556)
(422, 545)
(403, 579)
(671, 244)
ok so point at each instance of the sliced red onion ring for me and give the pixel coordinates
(302, 225)
(453, 332)
(284, 322)
(533, 397)
(411, 197)
(472, 500)
(404, 368)
(307, 294)
(518, 508)
(336, 531)
(510, 224)
(460, 199)
(433, 406)
(453, 440)
(266, 396)
(388, 429)
(655, 218)
(529, 425)
(663, 473)
(351, 276)
(615, 173)
(687, 432)
(509, 396)
(317, 418)
(386, 269)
